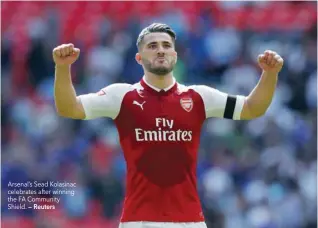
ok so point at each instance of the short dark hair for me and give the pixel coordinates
(156, 27)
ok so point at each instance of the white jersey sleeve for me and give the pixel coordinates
(219, 104)
(106, 103)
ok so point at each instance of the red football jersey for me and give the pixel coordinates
(159, 132)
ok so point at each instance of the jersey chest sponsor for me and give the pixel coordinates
(164, 131)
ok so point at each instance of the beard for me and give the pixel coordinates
(158, 70)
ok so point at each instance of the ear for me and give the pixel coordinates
(138, 58)
(176, 55)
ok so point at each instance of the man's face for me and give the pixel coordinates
(157, 53)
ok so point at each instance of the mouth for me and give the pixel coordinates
(161, 59)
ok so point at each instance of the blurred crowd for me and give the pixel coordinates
(251, 174)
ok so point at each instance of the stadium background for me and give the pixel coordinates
(251, 174)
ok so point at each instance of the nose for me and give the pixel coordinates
(160, 51)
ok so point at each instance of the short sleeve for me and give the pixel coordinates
(220, 104)
(106, 103)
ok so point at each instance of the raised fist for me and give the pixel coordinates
(270, 61)
(65, 54)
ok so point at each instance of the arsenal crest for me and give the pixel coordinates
(186, 104)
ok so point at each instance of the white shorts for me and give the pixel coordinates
(162, 225)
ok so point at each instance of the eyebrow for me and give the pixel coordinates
(155, 42)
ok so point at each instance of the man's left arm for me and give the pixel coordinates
(257, 102)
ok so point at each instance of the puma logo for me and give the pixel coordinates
(136, 103)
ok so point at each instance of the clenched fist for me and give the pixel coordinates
(270, 61)
(65, 54)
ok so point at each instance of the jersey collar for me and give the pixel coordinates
(145, 83)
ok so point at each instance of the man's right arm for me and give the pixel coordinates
(105, 103)
(66, 102)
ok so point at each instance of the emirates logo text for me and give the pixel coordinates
(164, 132)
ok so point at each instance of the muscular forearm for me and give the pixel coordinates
(261, 97)
(64, 92)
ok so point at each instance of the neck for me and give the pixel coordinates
(161, 82)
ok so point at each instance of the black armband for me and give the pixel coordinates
(229, 107)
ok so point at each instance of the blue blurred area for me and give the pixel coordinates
(259, 173)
